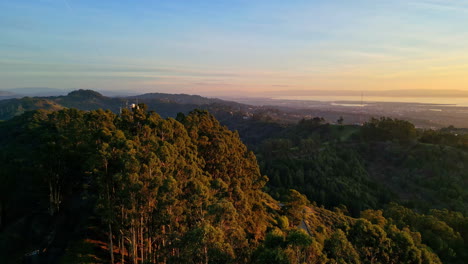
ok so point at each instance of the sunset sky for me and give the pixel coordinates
(227, 47)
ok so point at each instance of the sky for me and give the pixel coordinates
(234, 47)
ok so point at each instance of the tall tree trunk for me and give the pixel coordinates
(164, 243)
(134, 244)
(142, 241)
(205, 250)
(57, 196)
(119, 245)
(122, 235)
(51, 199)
(111, 244)
(148, 248)
(1, 214)
(122, 250)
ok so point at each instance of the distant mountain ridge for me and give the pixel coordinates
(178, 98)
(167, 104)
(7, 95)
(37, 91)
(45, 91)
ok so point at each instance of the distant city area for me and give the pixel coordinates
(423, 112)
(432, 112)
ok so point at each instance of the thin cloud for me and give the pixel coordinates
(212, 84)
(442, 6)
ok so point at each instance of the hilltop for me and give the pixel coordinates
(167, 104)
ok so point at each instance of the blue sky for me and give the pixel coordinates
(234, 46)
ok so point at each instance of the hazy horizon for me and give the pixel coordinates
(319, 95)
(241, 47)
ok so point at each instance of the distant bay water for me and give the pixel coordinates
(356, 100)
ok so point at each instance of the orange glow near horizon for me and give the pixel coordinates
(262, 46)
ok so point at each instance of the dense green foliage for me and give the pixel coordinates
(368, 167)
(163, 189)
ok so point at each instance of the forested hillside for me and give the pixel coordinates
(386, 161)
(96, 187)
(167, 105)
(254, 123)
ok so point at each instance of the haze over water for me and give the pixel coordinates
(356, 100)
